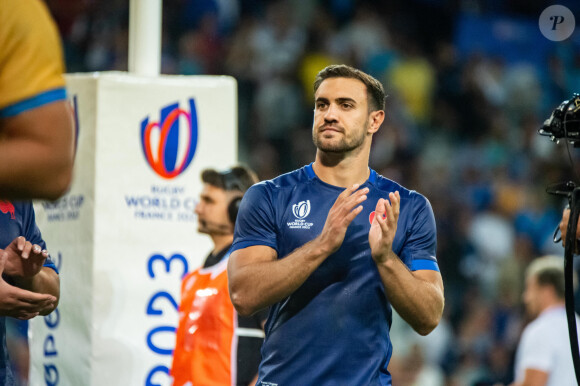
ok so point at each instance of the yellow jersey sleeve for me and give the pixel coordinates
(31, 58)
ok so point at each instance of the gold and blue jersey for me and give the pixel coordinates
(31, 58)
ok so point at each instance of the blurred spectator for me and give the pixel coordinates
(412, 370)
(412, 77)
(214, 345)
(543, 355)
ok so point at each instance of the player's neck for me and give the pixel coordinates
(221, 241)
(344, 172)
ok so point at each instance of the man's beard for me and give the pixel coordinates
(214, 228)
(344, 145)
(203, 228)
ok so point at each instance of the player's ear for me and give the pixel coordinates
(376, 119)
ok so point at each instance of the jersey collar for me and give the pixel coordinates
(310, 172)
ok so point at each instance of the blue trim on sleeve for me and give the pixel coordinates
(37, 100)
(250, 243)
(421, 264)
(50, 264)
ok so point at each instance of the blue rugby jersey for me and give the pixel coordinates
(16, 219)
(334, 330)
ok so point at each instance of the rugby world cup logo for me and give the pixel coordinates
(302, 209)
(169, 145)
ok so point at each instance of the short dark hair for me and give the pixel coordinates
(238, 178)
(549, 271)
(375, 90)
(552, 277)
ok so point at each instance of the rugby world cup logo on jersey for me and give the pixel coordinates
(300, 210)
(170, 143)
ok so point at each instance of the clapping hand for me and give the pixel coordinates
(384, 227)
(16, 302)
(23, 259)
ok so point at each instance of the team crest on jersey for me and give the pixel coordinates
(8, 208)
(372, 217)
(300, 211)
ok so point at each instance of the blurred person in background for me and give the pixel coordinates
(564, 226)
(331, 246)
(214, 345)
(411, 369)
(543, 356)
(36, 129)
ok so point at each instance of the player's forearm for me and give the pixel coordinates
(419, 302)
(258, 285)
(44, 282)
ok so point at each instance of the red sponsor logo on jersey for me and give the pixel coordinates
(372, 216)
(7, 207)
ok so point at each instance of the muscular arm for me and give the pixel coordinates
(416, 296)
(44, 282)
(36, 152)
(258, 279)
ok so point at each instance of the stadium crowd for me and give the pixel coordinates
(469, 84)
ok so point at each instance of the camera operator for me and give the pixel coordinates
(564, 226)
(549, 294)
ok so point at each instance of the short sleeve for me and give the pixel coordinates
(31, 59)
(420, 247)
(255, 224)
(535, 352)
